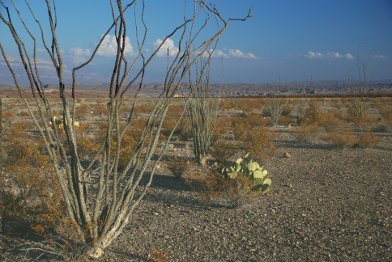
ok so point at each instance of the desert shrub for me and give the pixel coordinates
(256, 120)
(177, 165)
(99, 109)
(223, 126)
(274, 108)
(226, 104)
(248, 105)
(23, 114)
(221, 151)
(82, 109)
(158, 255)
(285, 120)
(258, 139)
(312, 112)
(286, 111)
(301, 111)
(128, 145)
(240, 129)
(87, 147)
(367, 139)
(346, 139)
(358, 106)
(182, 131)
(366, 121)
(260, 142)
(328, 120)
(306, 133)
(386, 115)
(144, 108)
(30, 190)
(7, 115)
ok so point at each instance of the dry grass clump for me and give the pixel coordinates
(350, 138)
(222, 151)
(252, 133)
(170, 123)
(312, 112)
(306, 133)
(226, 104)
(367, 139)
(82, 109)
(260, 143)
(158, 255)
(346, 139)
(178, 165)
(223, 126)
(329, 120)
(248, 105)
(99, 109)
(144, 108)
(386, 116)
(29, 188)
(284, 120)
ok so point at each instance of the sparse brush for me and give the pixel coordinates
(346, 139)
(328, 120)
(248, 105)
(301, 111)
(158, 255)
(306, 133)
(260, 142)
(367, 139)
(274, 108)
(222, 151)
(312, 112)
(386, 115)
(177, 165)
(223, 126)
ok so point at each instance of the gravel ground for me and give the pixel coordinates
(326, 204)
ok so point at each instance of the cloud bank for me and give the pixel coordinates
(233, 53)
(328, 55)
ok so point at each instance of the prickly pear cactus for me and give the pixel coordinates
(250, 169)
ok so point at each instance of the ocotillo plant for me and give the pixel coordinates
(101, 208)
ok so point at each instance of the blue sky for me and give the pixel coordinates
(286, 41)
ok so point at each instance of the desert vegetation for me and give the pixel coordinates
(81, 177)
(32, 198)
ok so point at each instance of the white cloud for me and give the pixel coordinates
(328, 55)
(349, 56)
(378, 56)
(236, 53)
(109, 46)
(334, 55)
(168, 47)
(80, 55)
(216, 53)
(232, 53)
(80, 52)
(313, 55)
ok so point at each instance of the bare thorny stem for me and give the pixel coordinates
(101, 214)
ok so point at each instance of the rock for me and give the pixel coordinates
(286, 155)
